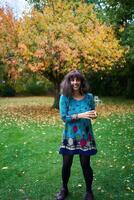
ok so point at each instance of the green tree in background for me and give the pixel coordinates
(120, 13)
(117, 12)
(38, 4)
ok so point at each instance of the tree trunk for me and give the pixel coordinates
(56, 96)
(130, 84)
(130, 88)
(56, 79)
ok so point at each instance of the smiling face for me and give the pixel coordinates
(75, 83)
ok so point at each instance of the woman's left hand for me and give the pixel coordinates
(92, 114)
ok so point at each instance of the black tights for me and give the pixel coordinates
(86, 168)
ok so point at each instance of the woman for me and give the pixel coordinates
(77, 108)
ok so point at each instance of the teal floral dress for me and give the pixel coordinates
(78, 137)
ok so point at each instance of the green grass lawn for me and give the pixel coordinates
(30, 135)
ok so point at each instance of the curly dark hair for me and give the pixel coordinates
(66, 88)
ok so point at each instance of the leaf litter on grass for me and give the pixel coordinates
(50, 116)
(44, 115)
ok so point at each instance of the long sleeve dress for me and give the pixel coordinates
(78, 137)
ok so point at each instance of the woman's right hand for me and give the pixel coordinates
(88, 115)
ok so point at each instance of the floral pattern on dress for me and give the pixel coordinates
(78, 136)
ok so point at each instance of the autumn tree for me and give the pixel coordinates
(8, 45)
(65, 37)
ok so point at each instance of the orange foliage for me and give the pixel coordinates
(64, 39)
(61, 38)
(8, 42)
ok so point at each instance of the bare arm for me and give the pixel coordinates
(88, 115)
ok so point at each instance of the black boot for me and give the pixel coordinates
(62, 194)
(89, 196)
